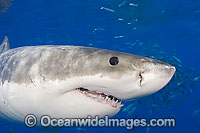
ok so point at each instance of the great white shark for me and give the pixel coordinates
(74, 81)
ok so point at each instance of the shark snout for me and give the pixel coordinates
(171, 68)
(159, 66)
(167, 68)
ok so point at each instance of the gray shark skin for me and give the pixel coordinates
(61, 62)
(74, 81)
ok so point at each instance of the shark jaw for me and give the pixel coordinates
(101, 97)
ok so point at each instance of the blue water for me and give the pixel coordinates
(159, 28)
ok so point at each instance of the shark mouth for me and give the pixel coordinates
(101, 97)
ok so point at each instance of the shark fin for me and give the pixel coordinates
(5, 45)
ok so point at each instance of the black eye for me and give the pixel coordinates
(114, 61)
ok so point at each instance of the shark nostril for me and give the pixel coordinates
(173, 68)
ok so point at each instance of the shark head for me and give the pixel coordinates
(74, 82)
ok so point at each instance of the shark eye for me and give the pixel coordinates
(114, 61)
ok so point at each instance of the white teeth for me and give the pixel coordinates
(99, 98)
(102, 98)
(106, 98)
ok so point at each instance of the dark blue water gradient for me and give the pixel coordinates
(173, 25)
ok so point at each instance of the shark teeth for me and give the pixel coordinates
(101, 97)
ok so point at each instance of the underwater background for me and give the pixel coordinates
(168, 30)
